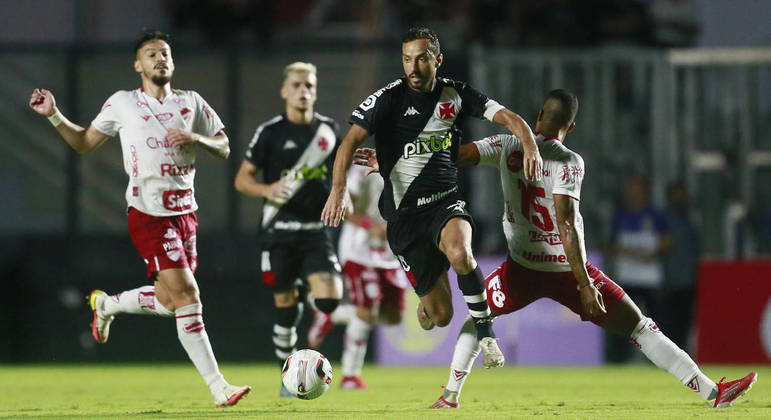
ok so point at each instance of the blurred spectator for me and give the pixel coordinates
(639, 238)
(681, 266)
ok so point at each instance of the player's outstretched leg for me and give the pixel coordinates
(665, 354)
(136, 301)
(466, 350)
(285, 338)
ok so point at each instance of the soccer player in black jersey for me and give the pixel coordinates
(294, 151)
(414, 120)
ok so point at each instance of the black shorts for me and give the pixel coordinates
(414, 239)
(284, 261)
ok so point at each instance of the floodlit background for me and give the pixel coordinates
(672, 93)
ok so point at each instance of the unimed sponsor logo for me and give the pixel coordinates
(544, 257)
(178, 200)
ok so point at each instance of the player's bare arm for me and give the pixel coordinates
(532, 162)
(82, 140)
(573, 243)
(247, 184)
(218, 146)
(335, 208)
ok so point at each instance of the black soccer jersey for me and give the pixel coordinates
(302, 154)
(416, 138)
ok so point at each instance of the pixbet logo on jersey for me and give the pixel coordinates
(178, 200)
(432, 145)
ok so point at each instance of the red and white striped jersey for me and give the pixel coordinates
(160, 175)
(529, 219)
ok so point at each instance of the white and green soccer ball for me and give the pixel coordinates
(307, 374)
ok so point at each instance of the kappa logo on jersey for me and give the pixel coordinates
(458, 206)
(432, 145)
(290, 144)
(514, 161)
(549, 238)
(410, 112)
(178, 200)
(447, 110)
(494, 284)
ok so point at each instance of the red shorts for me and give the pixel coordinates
(511, 287)
(164, 242)
(368, 285)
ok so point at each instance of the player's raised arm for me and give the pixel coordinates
(571, 234)
(334, 209)
(532, 162)
(83, 140)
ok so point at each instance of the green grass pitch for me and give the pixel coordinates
(176, 391)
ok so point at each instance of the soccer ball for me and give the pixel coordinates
(307, 374)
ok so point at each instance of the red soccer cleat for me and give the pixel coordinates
(353, 382)
(442, 403)
(322, 325)
(727, 392)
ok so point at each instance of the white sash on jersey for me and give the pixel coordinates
(313, 156)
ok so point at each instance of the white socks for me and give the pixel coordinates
(192, 335)
(466, 350)
(355, 346)
(665, 354)
(136, 301)
(343, 314)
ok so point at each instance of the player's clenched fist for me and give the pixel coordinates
(43, 102)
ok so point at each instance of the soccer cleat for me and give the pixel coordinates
(231, 395)
(100, 325)
(727, 392)
(285, 393)
(491, 353)
(353, 382)
(423, 319)
(442, 403)
(322, 325)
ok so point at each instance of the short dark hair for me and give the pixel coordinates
(560, 107)
(421, 32)
(151, 35)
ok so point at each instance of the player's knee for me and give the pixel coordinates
(461, 258)
(327, 305)
(441, 316)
